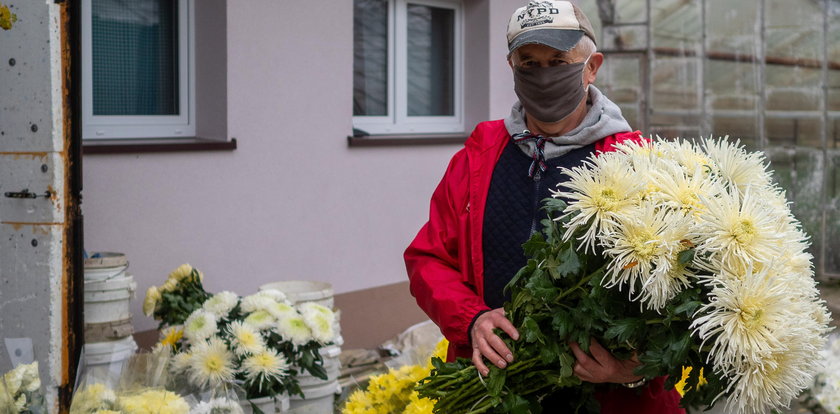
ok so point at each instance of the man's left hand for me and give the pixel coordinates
(601, 366)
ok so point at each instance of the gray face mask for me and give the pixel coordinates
(550, 94)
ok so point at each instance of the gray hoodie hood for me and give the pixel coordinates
(602, 119)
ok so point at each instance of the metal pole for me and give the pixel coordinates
(821, 270)
(762, 63)
(705, 122)
(647, 72)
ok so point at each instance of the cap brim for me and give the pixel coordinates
(560, 39)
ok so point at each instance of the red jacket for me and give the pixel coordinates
(445, 262)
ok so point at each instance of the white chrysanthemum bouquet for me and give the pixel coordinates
(20, 390)
(685, 255)
(260, 341)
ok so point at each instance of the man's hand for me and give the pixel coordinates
(601, 366)
(486, 343)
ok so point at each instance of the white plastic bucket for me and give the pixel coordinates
(105, 359)
(107, 300)
(267, 405)
(319, 399)
(319, 395)
(106, 265)
(299, 291)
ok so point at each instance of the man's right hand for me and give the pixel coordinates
(486, 343)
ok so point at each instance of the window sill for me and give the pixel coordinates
(133, 146)
(405, 140)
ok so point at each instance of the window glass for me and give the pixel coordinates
(370, 58)
(135, 57)
(431, 44)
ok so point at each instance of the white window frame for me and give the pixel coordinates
(143, 126)
(398, 121)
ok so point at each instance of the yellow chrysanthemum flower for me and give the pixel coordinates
(183, 271)
(153, 402)
(171, 335)
(150, 303)
(418, 405)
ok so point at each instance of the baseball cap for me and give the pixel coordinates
(557, 24)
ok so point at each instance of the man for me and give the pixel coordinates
(487, 203)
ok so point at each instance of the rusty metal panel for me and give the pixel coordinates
(33, 187)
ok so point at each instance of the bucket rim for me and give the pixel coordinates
(106, 260)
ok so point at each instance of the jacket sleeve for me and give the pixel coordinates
(608, 144)
(434, 259)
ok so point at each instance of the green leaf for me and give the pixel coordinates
(532, 331)
(534, 245)
(496, 381)
(516, 404)
(687, 308)
(685, 257)
(541, 288)
(567, 364)
(569, 262)
(550, 352)
(562, 324)
(623, 329)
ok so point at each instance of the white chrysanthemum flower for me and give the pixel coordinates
(744, 318)
(281, 310)
(260, 320)
(256, 302)
(689, 156)
(600, 191)
(275, 294)
(736, 165)
(246, 339)
(20, 403)
(181, 362)
(638, 246)
(643, 157)
(681, 189)
(211, 363)
(31, 377)
(667, 281)
(217, 406)
(14, 380)
(778, 377)
(221, 304)
(295, 330)
(736, 231)
(200, 325)
(264, 367)
(320, 320)
(92, 398)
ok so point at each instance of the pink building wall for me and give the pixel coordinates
(293, 201)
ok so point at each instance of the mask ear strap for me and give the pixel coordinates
(586, 88)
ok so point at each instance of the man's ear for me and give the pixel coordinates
(595, 62)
